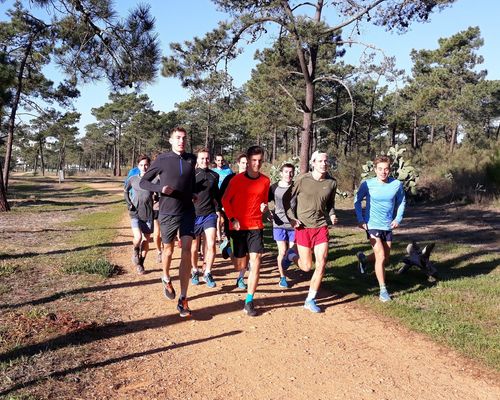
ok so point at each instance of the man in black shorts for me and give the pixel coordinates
(244, 202)
(177, 181)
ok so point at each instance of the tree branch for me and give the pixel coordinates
(300, 109)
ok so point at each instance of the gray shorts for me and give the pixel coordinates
(146, 227)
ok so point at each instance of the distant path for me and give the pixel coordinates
(285, 353)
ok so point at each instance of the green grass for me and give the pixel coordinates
(461, 310)
(96, 235)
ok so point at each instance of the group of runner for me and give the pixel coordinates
(195, 202)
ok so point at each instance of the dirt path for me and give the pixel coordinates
(285, 353)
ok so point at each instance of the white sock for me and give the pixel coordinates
(242, 274)
(312, 295)
(166, 278)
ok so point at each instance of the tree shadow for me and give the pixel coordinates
(65, 293)
(62, 251)
(100, 364)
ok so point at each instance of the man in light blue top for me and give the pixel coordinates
(383, 195)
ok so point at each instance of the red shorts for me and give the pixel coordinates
(310, 237)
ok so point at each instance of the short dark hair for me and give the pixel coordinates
(382, 159)
(178, 129)
(240, 156)
(287, 165)
(254, 150)
(219, 155)
(143, 157)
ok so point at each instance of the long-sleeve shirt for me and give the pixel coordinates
(312, 200)
(139, 201)
(178, 172)
(242, 200)
(223, 173)
(207, 190)
(382, 199)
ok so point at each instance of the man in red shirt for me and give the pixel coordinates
(244, 202)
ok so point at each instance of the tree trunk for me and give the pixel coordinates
(307, 125)
(414, 142)
(132, 163)
(42, 161)
(285, 138)
(4, 204)
(118, 155)
(393, 134)
(453, 138)
(296, 143)
(497, 132)
(275, 138)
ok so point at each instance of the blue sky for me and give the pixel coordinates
(179, 20)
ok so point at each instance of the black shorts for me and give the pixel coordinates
(385, 236)
(170, 224)
(244, 242)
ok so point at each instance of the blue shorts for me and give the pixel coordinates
(385, 236)
(284, 235)
(204, 222)
(146, 227)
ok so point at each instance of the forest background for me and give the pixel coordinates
(316, 81)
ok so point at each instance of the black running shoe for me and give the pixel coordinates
(250, 309)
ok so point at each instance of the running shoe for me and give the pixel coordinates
(285, 262)
(384, 296)
(195, 278)
(240, 283)
(250, 309)
(140, 269)
(158, 258)
(183, 308)
(283, 283)
(312, 306)
(361, 262)
(168, 289)
(225, 249)
(209, 280)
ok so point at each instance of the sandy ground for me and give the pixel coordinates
(284, 353)
(146, 351)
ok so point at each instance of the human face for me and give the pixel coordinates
(382, 169)
(203, 160)
(242, 164)
(178, 141)
(320, 164)
(219, 161)
(254, 163)
(287, 174)
(143, 166)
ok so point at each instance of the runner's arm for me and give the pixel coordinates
(360, 195)
(400, 204)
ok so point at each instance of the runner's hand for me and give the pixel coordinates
(236, 224)
(263, 207)
(295, 223)
(168, 190)
(334, 219)
(394, 224)
(363, 226)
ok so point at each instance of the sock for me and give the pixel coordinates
(166, 278)
(242, 274)
(311, 295)
(249, 298)
(291, 255)
(383, 288)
